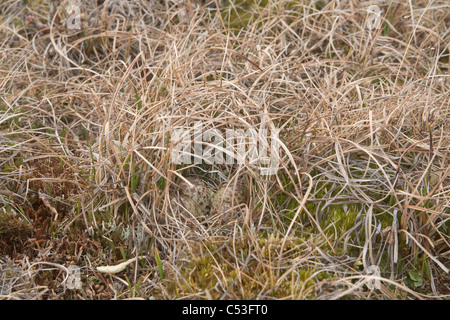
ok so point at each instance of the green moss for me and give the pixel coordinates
(245, 272)
(239, 14)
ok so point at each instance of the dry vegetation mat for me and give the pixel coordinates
(93, 207)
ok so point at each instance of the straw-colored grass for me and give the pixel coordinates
(86, 117)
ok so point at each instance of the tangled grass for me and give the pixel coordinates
(86, 116)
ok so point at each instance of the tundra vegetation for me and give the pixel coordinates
(90, 94)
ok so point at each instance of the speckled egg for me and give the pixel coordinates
(195, 196)
(226, 199)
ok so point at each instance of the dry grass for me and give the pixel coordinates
(85, 121)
